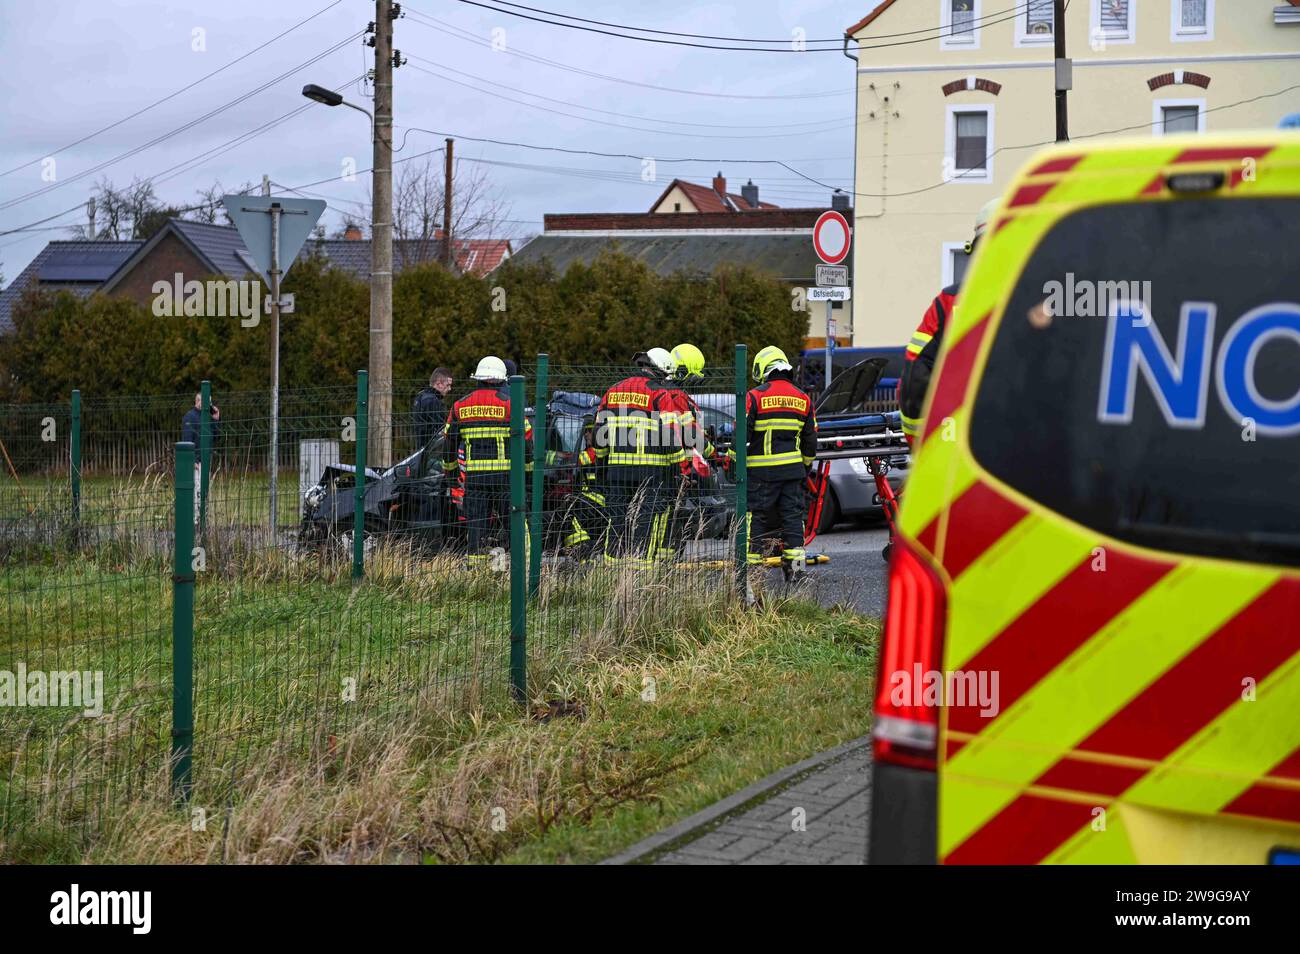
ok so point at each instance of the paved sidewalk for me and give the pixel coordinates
(813, 813)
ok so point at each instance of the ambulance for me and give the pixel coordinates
(1091, 645)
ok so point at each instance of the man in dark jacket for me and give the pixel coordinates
(190, 423)
(192, 431)
(430, 407)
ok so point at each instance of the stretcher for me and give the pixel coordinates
(877, 438)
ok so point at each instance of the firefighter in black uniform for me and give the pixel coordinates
(478, 440)
(634, 443)
(782, 429)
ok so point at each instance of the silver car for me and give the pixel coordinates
(854, 393)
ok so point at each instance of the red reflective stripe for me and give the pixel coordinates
(1266, 799)
(1169, 711)
(1155, 186)
(1062, 164)
(1023, 833)
(1031, 193)
(976, 520)
(1217, 153)
(1061, 621)
(951, 386)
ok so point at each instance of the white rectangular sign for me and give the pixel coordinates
(829, 294)
(834, 275)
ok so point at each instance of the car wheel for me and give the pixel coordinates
(830, 514)
(886, 551)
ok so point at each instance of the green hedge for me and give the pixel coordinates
(597, 314)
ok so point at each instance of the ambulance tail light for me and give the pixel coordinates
(906, 730)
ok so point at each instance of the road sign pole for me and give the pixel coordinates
(830, 342)
(275, 364)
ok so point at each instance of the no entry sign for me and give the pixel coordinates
(831, 237)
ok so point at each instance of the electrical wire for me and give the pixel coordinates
(170, 96)
(790, 47)
(180, 129)
(734, 39)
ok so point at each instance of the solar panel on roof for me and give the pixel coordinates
(93, 272)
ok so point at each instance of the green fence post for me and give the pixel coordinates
(741, 446)
(359, 498)
(518, 563)
(183, 624)
(74, 455)
(205, 454)
(539, 462)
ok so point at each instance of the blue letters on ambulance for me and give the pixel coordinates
(1180, 382)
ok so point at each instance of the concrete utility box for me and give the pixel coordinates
(313, 457)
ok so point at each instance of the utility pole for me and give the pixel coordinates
(449, 256)
(381, 245)
(275, 358)
(90, 214)
(1064, 72)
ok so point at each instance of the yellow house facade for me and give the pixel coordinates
(953, 96)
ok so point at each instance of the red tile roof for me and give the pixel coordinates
(866, 21)
(707, 199)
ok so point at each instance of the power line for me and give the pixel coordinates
(731, 39)
(790, 47)
(170, 96)
(605, 122)
(607, 112)
(456, 32)
(180, 129)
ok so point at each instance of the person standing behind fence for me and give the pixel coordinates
(631, 426)
(782, 428)
(478, 439)
(191, 431)
(430, 408)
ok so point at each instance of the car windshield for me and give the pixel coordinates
(1144, 380)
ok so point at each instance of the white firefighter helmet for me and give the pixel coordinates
(490, 368)
(661, 361)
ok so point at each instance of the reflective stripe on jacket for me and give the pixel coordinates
(479, 425)
(636, 424)
(782, 429)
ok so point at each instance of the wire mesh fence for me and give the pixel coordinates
(288, 612)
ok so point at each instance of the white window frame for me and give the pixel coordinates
(1158, 113)
(951, 172)
(946, 270)
(970, 41)
(1119, 39)
(1178, 34)
(1023, 36)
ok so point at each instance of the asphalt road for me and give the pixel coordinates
(855, 577)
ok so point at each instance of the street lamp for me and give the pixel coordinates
(380, 361)
(327, 97)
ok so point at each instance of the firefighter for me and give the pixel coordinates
(686, 434)
(478, 444)
(923, 349)
(583, 523)
(634, 445)
(782, 428)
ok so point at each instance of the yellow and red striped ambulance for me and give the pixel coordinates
(1091, 648)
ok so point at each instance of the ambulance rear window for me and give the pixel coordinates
(1144, 380)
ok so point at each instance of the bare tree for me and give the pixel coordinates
(209, 207)
(121, 213)
(478, 210)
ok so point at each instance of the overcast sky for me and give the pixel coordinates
(74, 66)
